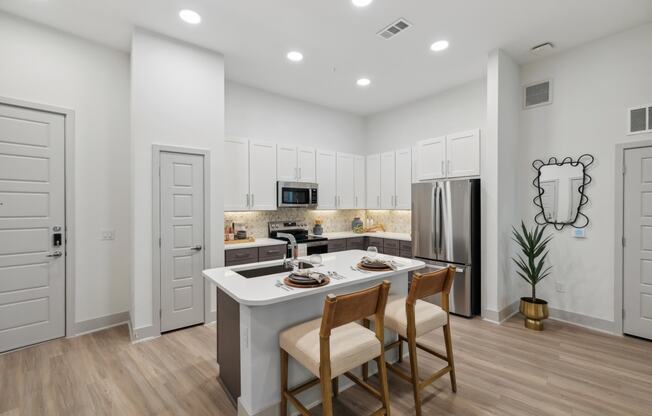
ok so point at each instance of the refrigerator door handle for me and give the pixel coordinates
(437, 218)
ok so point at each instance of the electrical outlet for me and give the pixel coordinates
(107, 235)
(579, 232)
(561, 287)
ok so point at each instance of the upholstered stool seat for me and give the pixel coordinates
(428, 316)
(351, 346)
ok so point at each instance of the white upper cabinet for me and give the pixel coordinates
(431, 159)
(403, 193)
(345, 181)
(359, 182)
(286, 163)
(326, 168)
(373, 182)
(387, 180)
(306, 164)
(262, 176)
(463, 151)
(236, 164)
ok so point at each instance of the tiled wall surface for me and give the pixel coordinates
(340, 220)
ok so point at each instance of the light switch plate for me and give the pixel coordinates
(107, 235)
(579, 232)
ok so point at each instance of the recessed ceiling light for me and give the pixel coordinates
(295, 56)
(190, 16)
(361, 3)
(439, 46)
(363, 82)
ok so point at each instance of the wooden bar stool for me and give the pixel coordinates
(411, 318)
(334, 344)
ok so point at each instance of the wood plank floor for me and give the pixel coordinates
(501, 370)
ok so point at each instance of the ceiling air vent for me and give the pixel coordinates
(394, 29)
(537, 94)
(640, 120)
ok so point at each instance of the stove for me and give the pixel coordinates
(299, 229)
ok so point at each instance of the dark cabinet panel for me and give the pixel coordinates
(240, 256)
(336, 245)
(376, 242)
(406, 246)
(271, 253)
(356, 243)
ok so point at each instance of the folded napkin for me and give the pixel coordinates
(309, 274)
(369, 261)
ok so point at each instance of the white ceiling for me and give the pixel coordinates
(339, 41)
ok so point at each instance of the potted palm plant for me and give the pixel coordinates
(531, 267)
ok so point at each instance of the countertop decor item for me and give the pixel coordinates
(318, 229)
(531, 267)
(357, 225)
(561, 191)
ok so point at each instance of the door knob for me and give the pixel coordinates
(55, 254)
(196, 248)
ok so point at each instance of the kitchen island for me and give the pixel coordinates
(251, 312)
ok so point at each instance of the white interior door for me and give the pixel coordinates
(387, 180)
(431, 160)
(327, 180)
(637, 256)
(403, 199)
(286, 163)
(345, 181)
(373, 181)
(182, 240)
(32, 204)
(306, 161)
(360, 183)
(463, 150)
(236, 167)
(262, 176)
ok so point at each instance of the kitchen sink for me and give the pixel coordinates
(266, 271)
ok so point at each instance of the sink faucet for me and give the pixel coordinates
(294, 250)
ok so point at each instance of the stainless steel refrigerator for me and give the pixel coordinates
(446, 231)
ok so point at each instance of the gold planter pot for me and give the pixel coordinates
(534, 313)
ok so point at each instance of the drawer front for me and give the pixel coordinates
(271, 252)
(391, 245)
(406, 253)
(228, 263)
(356, 243)
(376, 242)
(390, 251)
(241, 256)
(406, 246)
(336, 245)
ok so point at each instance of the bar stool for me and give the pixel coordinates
(411, 318)
(334, 344)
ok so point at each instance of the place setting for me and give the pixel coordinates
(372, 262)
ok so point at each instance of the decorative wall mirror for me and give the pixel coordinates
(560, 191)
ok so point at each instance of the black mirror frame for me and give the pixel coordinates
(580, 220)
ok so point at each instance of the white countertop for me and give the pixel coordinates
(263, 290)
(380, 234)
(260, 242)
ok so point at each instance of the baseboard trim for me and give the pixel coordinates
(508, 311)
(103, 322)
(585, 321)
(144, 333)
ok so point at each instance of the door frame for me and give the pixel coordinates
(69, 201)
(157, 149)
(619, 266)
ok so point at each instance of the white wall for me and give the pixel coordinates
(458, 109)
(261, 115)
(177, 98)
(49, 67)
(593, 85)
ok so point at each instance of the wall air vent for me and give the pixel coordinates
(394, 29)
(537, 94)
(640, 120)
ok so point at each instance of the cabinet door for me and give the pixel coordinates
(326, 167)
(236, 165)
(262, 176)
(403, 198)
(306, 164)
(359, 182)
(431, 159)
(387, 180)
(463, 154)
(373, 182)
(286, 163)
(345, 182)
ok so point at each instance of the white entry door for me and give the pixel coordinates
(182, 240)
(637, 287)
(32, 216)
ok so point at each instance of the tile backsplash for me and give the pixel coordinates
(332, 221)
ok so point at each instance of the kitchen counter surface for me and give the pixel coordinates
(264, 290)
(260, 242)
(380, 234)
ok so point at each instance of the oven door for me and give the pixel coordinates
(294, 195)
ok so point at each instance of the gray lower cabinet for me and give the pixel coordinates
(271, 253)
(356, 243)
(391, 247)
(237, 256)
(386, 246)
(336, 245)
(405, 249)
(376, 242)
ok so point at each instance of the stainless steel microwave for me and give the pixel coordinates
(296, 195)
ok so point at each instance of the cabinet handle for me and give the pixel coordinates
(448, 170)
(378, 201)
(299, 177)
(442, 168)
(296, 173)
(395, 200)
(247, 200)
(252, 201)
(356, 201)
